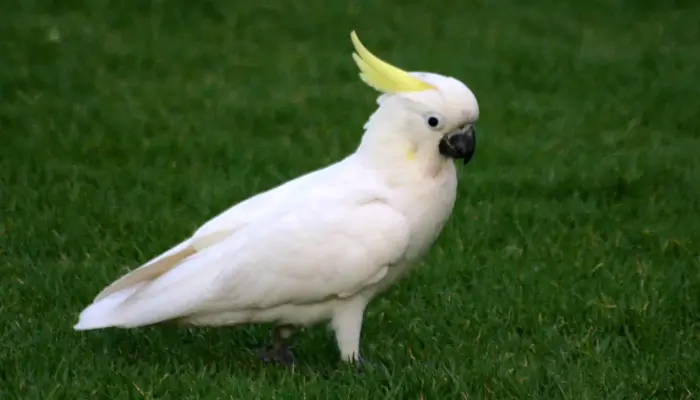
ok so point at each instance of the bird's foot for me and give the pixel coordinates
(280, 355)
(361, 365)
(280, 352)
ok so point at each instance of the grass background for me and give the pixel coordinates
(570, 267)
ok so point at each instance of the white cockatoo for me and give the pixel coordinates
(319, 247)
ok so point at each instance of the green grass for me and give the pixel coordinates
(570, 267)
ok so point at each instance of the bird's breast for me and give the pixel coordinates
(428, 205)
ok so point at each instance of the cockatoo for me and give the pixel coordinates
(320, 247)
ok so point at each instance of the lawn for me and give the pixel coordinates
(570, 267)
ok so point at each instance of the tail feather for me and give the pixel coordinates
(105, 310)
(151, 270)
(104, 313)
(176, 293)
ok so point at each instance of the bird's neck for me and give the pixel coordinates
(393, 154)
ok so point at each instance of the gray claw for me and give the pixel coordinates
(361, 365)
(280, 356)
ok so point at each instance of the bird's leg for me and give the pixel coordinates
(280, 352)
(347, 324)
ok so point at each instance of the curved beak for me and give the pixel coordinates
(461, 144)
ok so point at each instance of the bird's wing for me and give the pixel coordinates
(215, 230)
(254, 208)
(302, 256)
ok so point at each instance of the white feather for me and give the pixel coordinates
(318, 247)
(331, 242)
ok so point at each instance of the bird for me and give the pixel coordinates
(317, 248)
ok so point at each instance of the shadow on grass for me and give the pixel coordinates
(226, 350)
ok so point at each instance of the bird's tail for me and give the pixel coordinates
(106, 310)
(104, 313)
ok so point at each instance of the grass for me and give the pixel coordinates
(570, 268)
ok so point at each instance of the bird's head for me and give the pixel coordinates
(422, 114)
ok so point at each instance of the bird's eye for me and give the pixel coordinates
(434, 121)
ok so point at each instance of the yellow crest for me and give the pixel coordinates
(383, 76)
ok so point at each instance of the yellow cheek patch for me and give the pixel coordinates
(411, 154)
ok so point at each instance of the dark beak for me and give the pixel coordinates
(459, 144)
